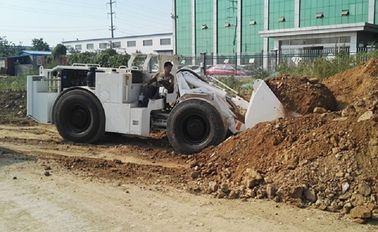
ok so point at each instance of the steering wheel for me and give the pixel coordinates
(195, 74)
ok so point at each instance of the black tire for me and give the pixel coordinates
(193, 125)
(79, 117)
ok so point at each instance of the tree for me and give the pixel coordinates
(40, 45)
(8, 48)
(59, 51)
(106, 58)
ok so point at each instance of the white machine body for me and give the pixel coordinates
(119, 94)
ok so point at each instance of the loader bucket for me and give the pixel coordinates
(264, 105)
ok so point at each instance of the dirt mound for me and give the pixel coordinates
(354, 83)
(13, 107)
(328, 160)
(301, 95)
(371, 68)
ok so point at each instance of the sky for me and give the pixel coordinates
(64, 20)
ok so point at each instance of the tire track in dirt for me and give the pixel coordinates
(111, 160)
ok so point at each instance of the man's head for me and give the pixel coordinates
(168, 67)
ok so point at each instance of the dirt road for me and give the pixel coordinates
(31, 201)
(48, 185)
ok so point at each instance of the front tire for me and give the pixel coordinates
(79, 117)
(193, 125)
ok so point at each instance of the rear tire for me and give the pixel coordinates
(193, 125)
(79, 117)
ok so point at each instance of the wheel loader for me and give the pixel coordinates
(86, 101)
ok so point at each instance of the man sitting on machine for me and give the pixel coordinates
(163, 79)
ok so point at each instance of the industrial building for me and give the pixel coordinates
(153, 43)
(259, 28)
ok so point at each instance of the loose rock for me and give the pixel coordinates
(319, 110)
(364, 189)
(361, 212)
(271, 191)
(195, 174)
(345, 187)
(347, 207)
(213, 186)
(310, 195)
(297, 192)
(366, 116)
(252, 178)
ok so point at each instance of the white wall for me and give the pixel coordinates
(155, 48)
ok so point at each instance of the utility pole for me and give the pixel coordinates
(112, 28)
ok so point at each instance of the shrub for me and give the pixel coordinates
(106, 58)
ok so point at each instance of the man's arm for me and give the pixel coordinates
(154, 79)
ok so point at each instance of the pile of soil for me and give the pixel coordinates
(354, 84)
(301, 95)
(327, 160)
(13, 107)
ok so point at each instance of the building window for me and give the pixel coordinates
(116, 44)
(147, 42)
(131, 43)
(165, 41)
(103, 45)
(78, 47)
(90, 46)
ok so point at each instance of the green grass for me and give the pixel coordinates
(9, 83)
(322, 68)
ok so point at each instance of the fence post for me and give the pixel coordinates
(276, 61)
(203, 63)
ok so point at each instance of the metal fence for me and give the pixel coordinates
(272, 60)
